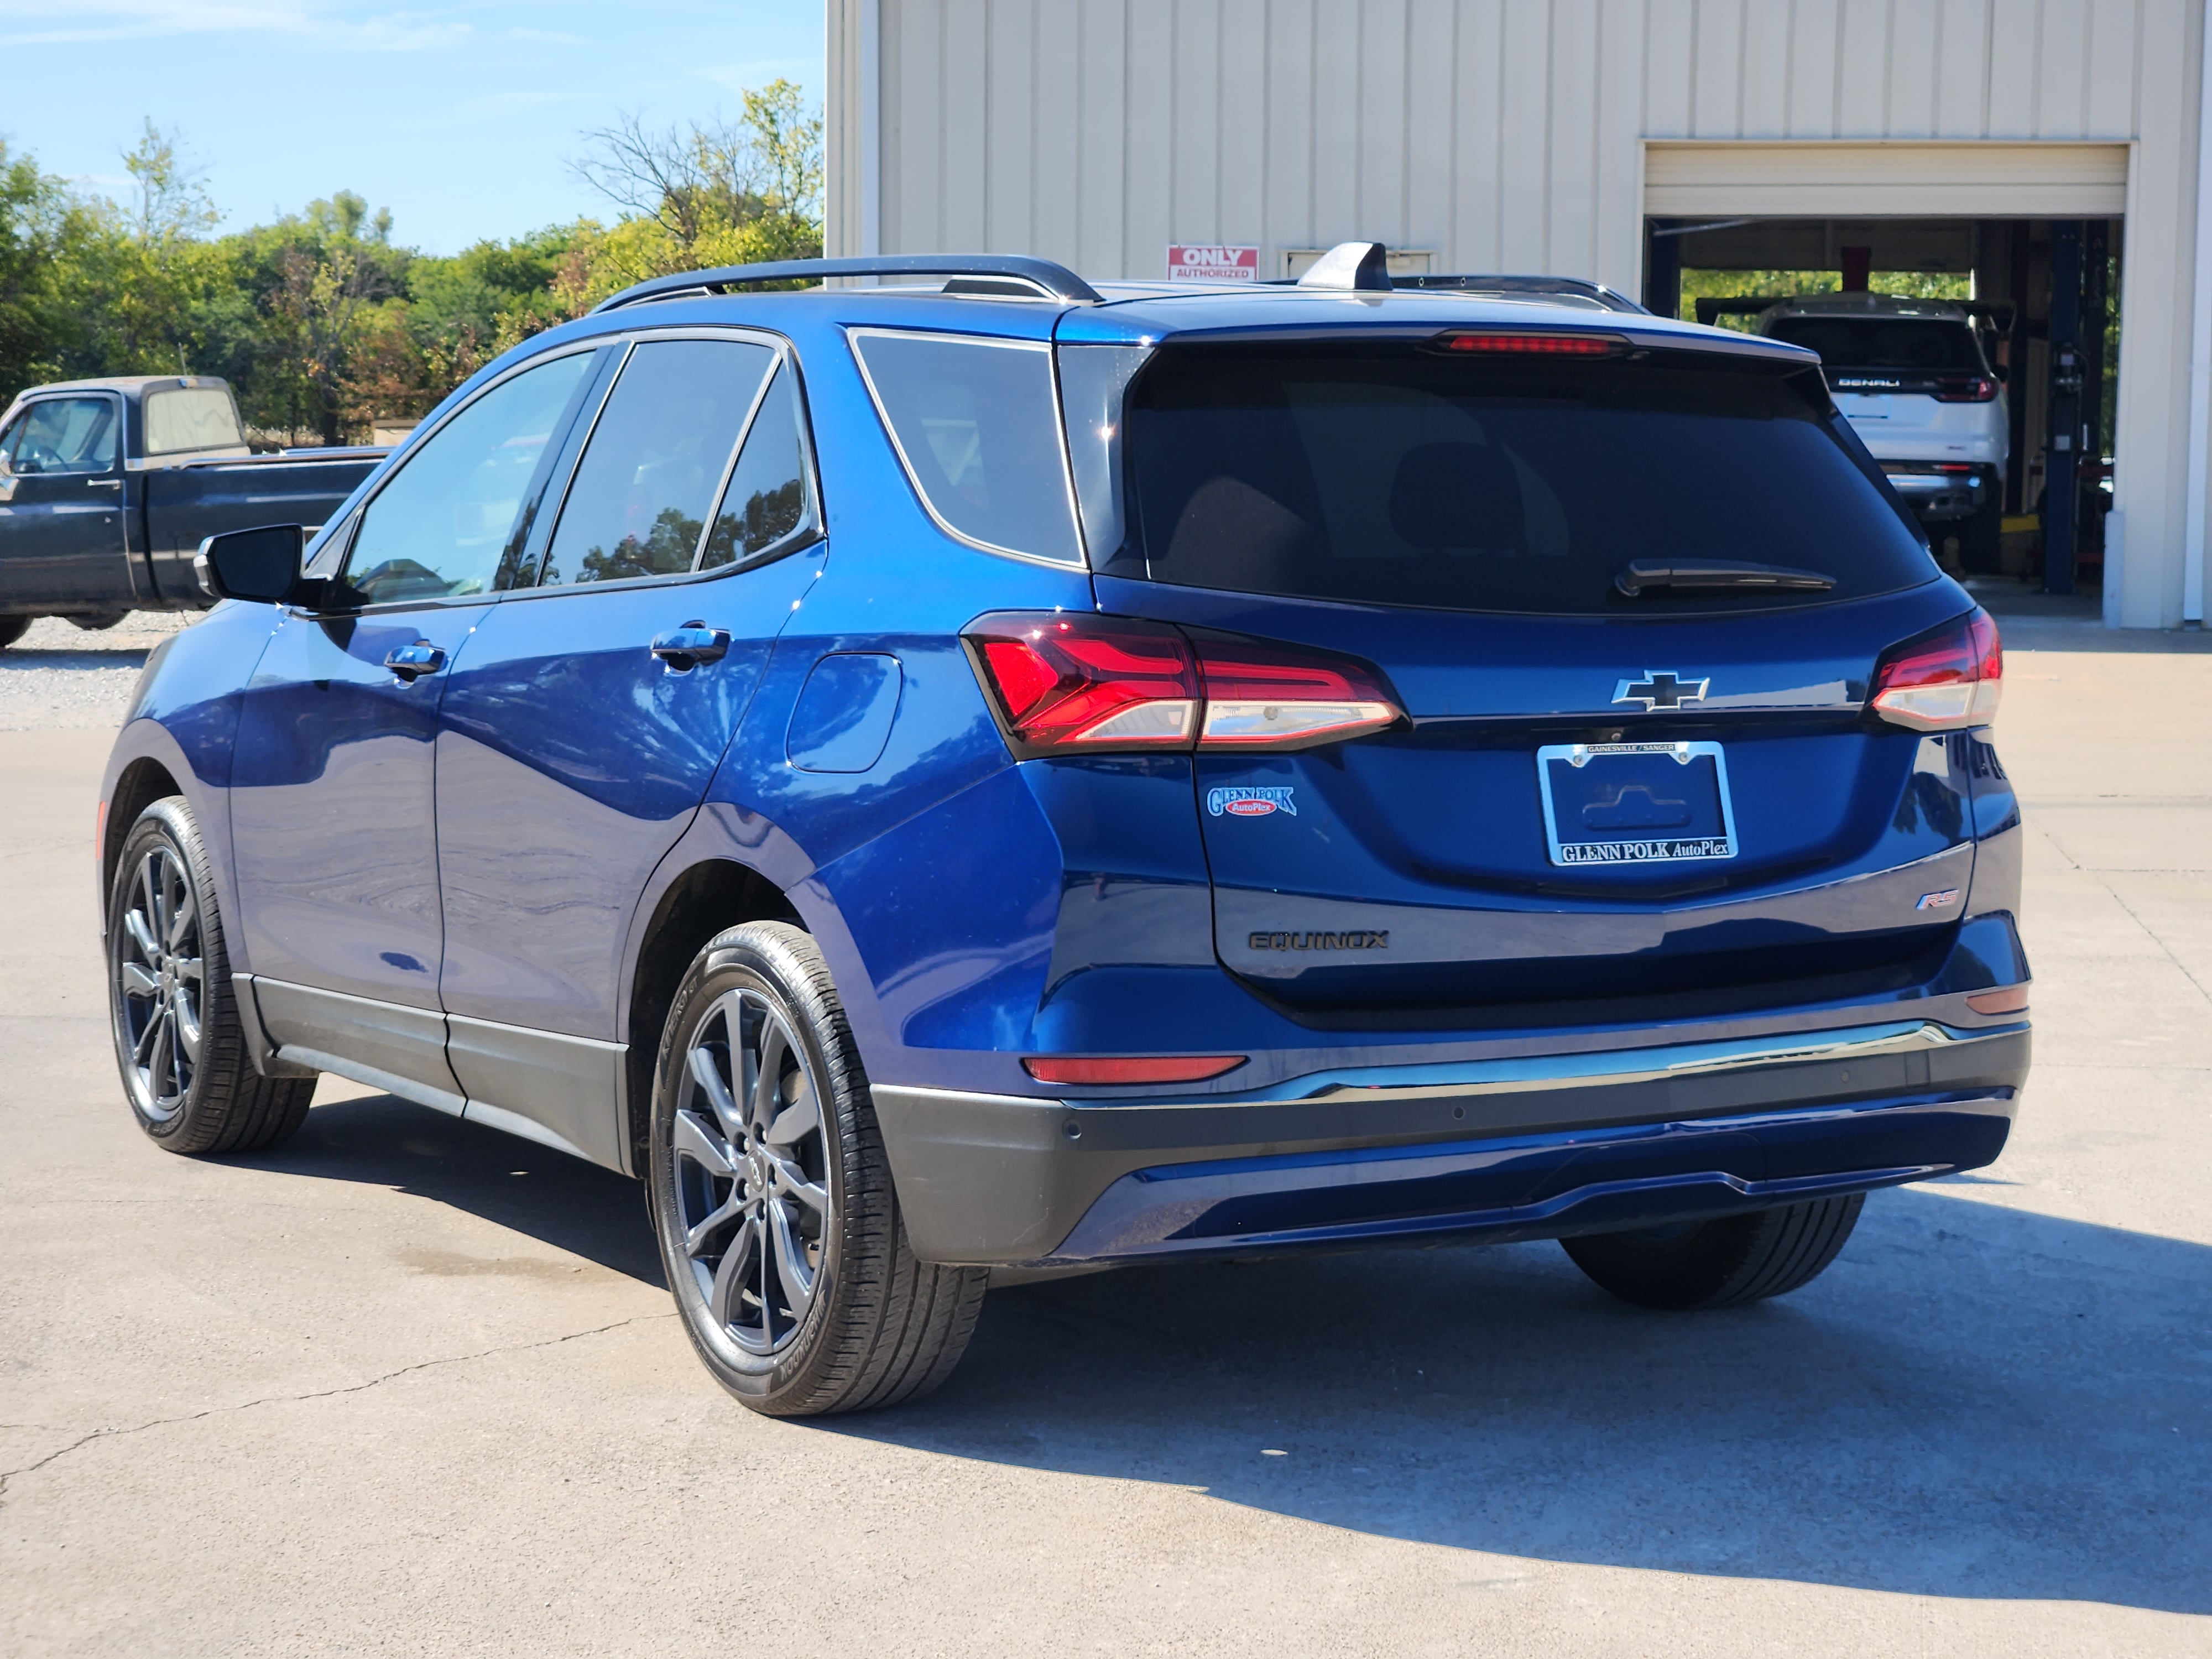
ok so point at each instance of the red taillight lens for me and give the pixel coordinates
(1147, 1068)
(1081, 681)
(1949, 677)
(1065, 684)
(1262, 697)
(1966, 389)
(2013, 1000)
(1533, 345)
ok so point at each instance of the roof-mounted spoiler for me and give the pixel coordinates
(1012, 276)
(2000, 313)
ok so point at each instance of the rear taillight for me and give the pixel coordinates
(1949, 677)
(1966, 389)
(1073, 682)
(1265, 698)
(1080, 681)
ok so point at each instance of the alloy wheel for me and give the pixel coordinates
(160, 984)
(751, 1155)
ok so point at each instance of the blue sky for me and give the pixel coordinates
(458, 117)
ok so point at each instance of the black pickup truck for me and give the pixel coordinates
(108, 487)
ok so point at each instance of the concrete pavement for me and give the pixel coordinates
(409, 1386)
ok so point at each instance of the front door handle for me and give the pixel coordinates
(103, 484)
(683, 649)
(411, 662)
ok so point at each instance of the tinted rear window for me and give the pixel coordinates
(1394, 476)
(1927, 344)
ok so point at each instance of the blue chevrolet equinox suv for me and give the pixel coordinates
(948, 774)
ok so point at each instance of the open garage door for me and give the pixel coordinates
(2002, 445)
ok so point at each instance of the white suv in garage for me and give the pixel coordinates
(1912, 378)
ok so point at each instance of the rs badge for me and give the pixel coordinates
(1250, 803)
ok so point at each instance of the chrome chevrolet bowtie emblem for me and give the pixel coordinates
(1661, 690)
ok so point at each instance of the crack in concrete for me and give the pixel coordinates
(2149, 931)
(6, 1476)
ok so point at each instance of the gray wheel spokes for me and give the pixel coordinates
(141, 937)
(187, 1019)
(752, 1200)
(734, 1276)
(707, 1072)
(767, 1073)
(695, 1141)
(182, 913)
(792, 1266)
(137, 982)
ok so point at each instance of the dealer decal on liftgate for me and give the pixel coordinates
(1250, 803)
(1358, 940)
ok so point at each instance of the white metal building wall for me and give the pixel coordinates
(1516, 135)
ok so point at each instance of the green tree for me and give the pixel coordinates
(33, 212)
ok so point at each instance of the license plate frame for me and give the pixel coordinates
(1627, 849)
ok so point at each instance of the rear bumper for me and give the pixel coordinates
(1488, 1150)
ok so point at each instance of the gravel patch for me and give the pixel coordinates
(57, 677)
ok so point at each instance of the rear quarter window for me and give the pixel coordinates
(1389, 475)
(977, 425)
(192, 417)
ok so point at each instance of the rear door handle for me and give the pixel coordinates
(411, 662)
(683, 649)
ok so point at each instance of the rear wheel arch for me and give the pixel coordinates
(705, 900)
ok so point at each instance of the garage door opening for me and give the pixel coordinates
(1981, 362)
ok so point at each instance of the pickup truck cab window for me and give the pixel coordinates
(450, 521)
(187, 417)
(645, 489)
(67, 435)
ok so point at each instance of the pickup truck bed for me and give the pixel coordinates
(92, 526)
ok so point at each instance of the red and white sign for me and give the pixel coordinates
(1213, 264)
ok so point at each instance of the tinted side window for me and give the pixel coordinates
(977, 426)
(68, 434)
(766, 499)
(446, 523)
(647, 481)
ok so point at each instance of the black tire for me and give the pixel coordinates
(167, 966)
(13, 628)
(1719, 1264)
(778, 1228)
(98, 625)
(1981, 538)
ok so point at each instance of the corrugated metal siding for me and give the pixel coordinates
(1500, 133)
(1508, 135)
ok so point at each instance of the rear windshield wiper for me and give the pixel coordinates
(1642, 573)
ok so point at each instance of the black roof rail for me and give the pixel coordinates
(1047, 280)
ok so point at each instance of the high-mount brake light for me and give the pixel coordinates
(1519, 344)
(1260, 698)
(1074, 683)
(1946, 679)
(1129, 1068)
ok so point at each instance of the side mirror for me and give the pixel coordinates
(261, 565)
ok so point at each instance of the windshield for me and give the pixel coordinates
(1923, 344)
(1391, 475)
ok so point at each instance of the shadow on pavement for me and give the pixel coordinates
(560, 1201)
(1974, 1401)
